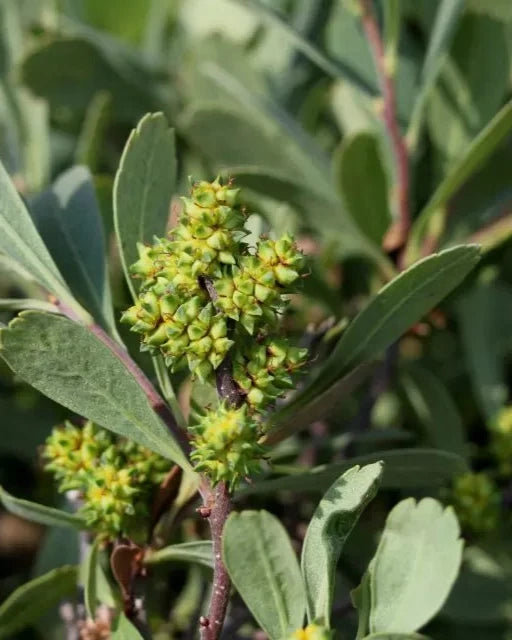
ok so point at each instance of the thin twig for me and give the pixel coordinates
(397, 235)
(218, 505)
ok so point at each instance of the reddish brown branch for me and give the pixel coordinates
(397, 234)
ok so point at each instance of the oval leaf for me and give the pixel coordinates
(332, 522)
(358, 163)
(68, 219)
(39, 513)
(31, 600)
(415, 566)
(67, 363)
(20, 241)
(199, 552)
(143, 188)
(262, 565)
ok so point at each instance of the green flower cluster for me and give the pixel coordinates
(311, 632)
(114, 476)
(226, 444)
(263, 370)
(176, 315)
(477, 502)
(204, 292)
(501, 440)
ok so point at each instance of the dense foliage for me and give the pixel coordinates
(255, 319)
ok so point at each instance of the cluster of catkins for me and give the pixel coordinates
(115, 477)
(205, 293)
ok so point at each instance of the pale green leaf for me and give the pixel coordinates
(30, 601)
(39, 513)
(198, 552)
(396, 307)
(70, 365)
(395, 636)
(68, 219)
(358, 164)
(262, 565)
(333, 520)
(20, 241)
(123, 629)
(90, 579)
(415, 566)
(145, 183)
(403, 469)
(479, 150)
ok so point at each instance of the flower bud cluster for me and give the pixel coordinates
(225, 444)
(175, 314)
(114, 476)
(477, 502)
(501, 440)
(263, 370)
(204, 292)
(311, 632)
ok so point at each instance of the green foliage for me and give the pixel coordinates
(199, 552)
(265, 571)
(31, 600)
(70, 365)
(39, 513)
(360, 225)
(415, 566)
(332, 523)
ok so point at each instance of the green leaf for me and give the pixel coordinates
(415, 566)
(70, 365)
(332, 68)
(123, 629)
(445, 24)
(358, 164)
(25, 605)
(298, 414)
(199, 552)
(20, 241)
(90, 580)
(401, 303)
(68, 218)
(435, 409)
(395, 636)
(39, 513)
(262, 565)
(478, 151)
(472, 86)
(403, 469)
(69, 72)
(484, 319)
(332, 523)
(144, 185)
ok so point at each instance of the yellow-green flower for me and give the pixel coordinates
(477, 502)
(311, 632)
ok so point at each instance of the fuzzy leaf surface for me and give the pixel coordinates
(145, 183)
(67, 363)
(260, 560)
(415, 566)
(39, 513)
(332, 522)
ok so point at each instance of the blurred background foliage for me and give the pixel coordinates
(284, 97)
